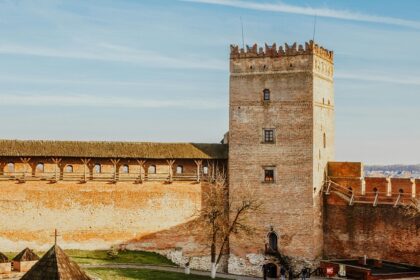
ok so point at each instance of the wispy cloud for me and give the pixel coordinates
(409, 80)
(311, 11)
(116, 53)
(83, 100)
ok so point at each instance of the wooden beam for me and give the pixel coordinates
(85, 162)
(115, 163)
(141, 163)
(198, 162)
(56, 167)
(25, 162)
(170, 165)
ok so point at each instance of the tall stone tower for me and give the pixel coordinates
(281, 136)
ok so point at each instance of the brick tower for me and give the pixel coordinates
(281, 136)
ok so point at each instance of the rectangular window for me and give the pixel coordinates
(268, 175)
(268, 135)
(266, 95)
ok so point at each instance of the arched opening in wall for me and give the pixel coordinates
(324, 140)
(10, 167)
(401, 191)
(125, 169)
(39, 167)
(375, 191)
(270, 270)
(69, 168)
(179, 169)
(272, 241)
(97, 168)
(151, 169)
(350, 190)
(323, 100)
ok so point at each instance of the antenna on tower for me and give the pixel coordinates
(242, 28)
(313, 35)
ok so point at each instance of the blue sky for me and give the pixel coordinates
(158, 70)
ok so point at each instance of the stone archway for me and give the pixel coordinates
(271, 269)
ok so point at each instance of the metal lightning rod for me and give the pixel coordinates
(242, 28)
(313, 36)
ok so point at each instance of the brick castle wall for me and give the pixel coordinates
(300, 85)
(94, 215)
(381, 232)
(384, 231)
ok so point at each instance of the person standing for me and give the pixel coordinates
(290, 273)
(187, 267)
(282, 273)
(303, 273)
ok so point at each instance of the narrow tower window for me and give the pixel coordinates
(272, 241)
(269, 174)
(266, 94)
(324, 140)
(268, 135)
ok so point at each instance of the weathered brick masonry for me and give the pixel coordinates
(281, 143)
(300, 112)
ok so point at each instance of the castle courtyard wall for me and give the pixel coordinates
(381, 232)
(92, 215)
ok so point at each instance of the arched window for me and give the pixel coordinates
(179, 169)
(152, 169)
(324, 140)
(10, 167)
(125, 169)
(375, 190)
(401, 191)
(350, 190)
(69, 168)
(97, 168)
(205, 170)
(266, 94)
(39, 167)
(272, 241)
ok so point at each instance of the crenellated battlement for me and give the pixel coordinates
(310, 48)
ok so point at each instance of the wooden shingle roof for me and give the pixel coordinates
(26, 255)
(95, 149)
(3, 258)
(55, 265)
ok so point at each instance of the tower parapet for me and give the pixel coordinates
(310, 48)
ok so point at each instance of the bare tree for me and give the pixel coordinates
(412, 209)
(223, 216)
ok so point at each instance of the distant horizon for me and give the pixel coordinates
(158, 71)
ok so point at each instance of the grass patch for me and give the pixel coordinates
(130, 274)
(100, 257)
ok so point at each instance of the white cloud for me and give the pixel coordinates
(310, 11)
(116, 53)
(84, 100)
(378, 78)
